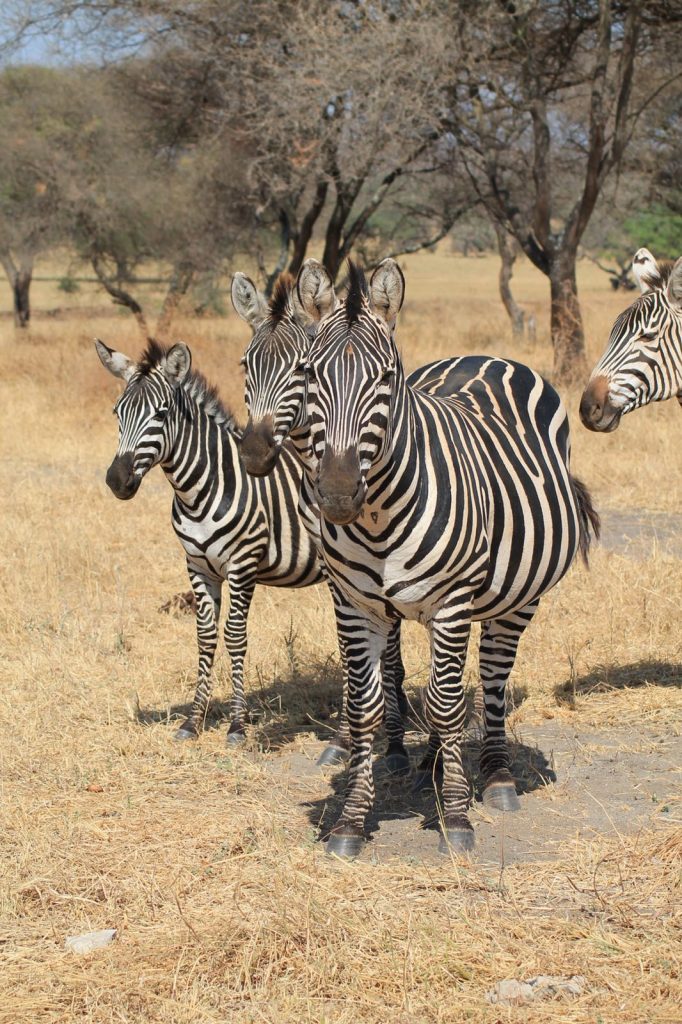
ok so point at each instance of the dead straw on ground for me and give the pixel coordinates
(207, 861)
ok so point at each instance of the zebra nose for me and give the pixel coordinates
(593, 402)
(120, 478)
(258, 449)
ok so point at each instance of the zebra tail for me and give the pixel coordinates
(589, 521)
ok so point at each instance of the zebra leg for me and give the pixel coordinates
(207, 596)
(392, 674)
(430, 767)
(499, 643)
(337, 751)
(394, 668)
(242, 586)
(446, 712)
(365, 646)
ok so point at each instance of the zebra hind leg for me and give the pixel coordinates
(338, 749)
(499, 643)
(207, 596)
(396, 759)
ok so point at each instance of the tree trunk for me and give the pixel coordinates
(21, 287)
(508, 249)
(120, 296)
(19, 278)
(568, 336)
(180, 283)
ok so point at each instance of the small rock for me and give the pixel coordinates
(511, 992)
(94, 787)
(89, 941)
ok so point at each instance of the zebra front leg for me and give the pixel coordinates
(364, 649)
(242, 585)
(498, 647)
(445, 709)
(207, 592)
(392, 671)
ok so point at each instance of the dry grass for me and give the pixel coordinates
(206, 862)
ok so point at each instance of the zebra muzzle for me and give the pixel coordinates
(596, 411)
(340, 488)
(121, 479)
(258, 449)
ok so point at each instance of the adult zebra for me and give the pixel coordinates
(443, 510)
(643, 359)
(281, 337)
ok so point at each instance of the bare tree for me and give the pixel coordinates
(543, 107)
(33, 103)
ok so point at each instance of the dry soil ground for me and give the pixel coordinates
(207, 862)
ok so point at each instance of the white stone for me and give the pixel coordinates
(89, 941)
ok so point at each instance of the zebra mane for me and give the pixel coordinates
(661, 278)
(195, 384)
(357, 291)
(280, 298)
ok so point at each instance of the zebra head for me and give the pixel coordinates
(142, 410)
(352, 373)
(273, 362)
(643, 359)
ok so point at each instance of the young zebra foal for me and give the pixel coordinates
(233, 527)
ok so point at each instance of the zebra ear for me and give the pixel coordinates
(177, 364)
(675, 284)
(315, 290)
(115, 362)
(248, 302)
(646, 271)
(387, 290)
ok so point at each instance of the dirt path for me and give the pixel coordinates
(637, 532)
(575, 784)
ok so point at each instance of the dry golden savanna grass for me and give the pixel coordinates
(206, 861)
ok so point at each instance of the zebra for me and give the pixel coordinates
(274, 394)
(280, 340)
(643, 359)
(232, 527)
(442, 510)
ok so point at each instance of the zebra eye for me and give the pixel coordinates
(387, 375)
(242, 361)
(309, 372)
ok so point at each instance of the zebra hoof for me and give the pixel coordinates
(187, 731)
(457, 840)
(397, 764)
(236, 738)
(332, 755)
(346, 845)
(500, 794)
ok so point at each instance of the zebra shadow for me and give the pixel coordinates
(395, 798)
(302, 702)
(607, 678)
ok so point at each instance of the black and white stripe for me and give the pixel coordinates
(232, 527)
(443, 510)
(643, 359)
